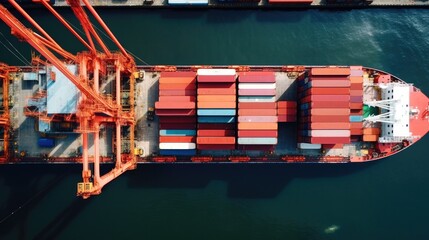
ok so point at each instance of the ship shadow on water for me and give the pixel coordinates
(253, 181)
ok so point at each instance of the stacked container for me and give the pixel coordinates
(216, 109)
(286, 111)
(176, 112)
(356, 102)
(257, 111)
(325, 106)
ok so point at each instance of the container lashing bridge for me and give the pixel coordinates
(94, 109)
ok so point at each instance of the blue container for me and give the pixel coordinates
(174, 152)
(46, 142)
(216, 112)
(216, 119)
(177, 132)
(356, 118)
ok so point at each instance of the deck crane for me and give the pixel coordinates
(94, 109)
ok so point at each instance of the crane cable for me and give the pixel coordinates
(20, 57)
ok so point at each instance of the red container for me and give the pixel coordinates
(175, 112)
(257, 77)
(178, 139)
(257, 126)
(356, 92)
(356, 125)
(330, 71)
(216, 146)
(330, 84)
(224, 85)
(177, 120)
(329, 78)
(328, 91)
(177, 98)
(178, 74)
(333, 146)
(177, 93)
(287, 118)
(216, 91)
(257, 112)
(215, 133)
(329, 125)
(329, 140)
(216, 104)
(216, 78)
(217, 98)
(177, 126)
(257, 105)
(356, 111)
(321, 118)
(258, 133)
(175, 105)
(356, 105)
(286, 104)
(286, 111)
(356, 86)
(329, 111)
(215, 140)
(176, 86)
(356, 131)
(256, 147)
(257, 92)
(214, 126)
(328, 104)
(257, 119)
(327, 98)
(181, 80)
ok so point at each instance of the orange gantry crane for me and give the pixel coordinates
(94, 109)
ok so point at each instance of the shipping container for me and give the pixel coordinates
(217, 78)
(223, 85)
(177, 125)
(174, 105)
(329, 78)
(256, 99)
(180, 80)
(328, 133)
(256, 86)
(356, 131)
(356, 118)
(178, 152)
(328, 91)
(217, 126)
(330, 84)
(257, 112)
(333, 146)
(175, 112)
(326, 104)
(286, 104)
(178, 145)
(215, 140)
(261, 77)
(356, 80)
(356, 92)
(356, 99)
(46, 142)
(216, 112)
(330, 140)
(326, 118)
(327, 125)
(257, 92)
(215, 133)
(217, 98)
(257, 133)
(329, 111)
(163, 119)
(177, 98)
(371, 131)
(257, 126)
(329, 71)
(356, 73)
(216, 146)
(177, 86)
(216, 105)
(216, 91)
(287, 118)
(355, 67)
(356, 125)
(216, 72)
(177, 132)
(257, 141)
(179, 139)
(257, 119)
(286, 111)
(177, 74)
(216, 119)
(327, 98)
(309, 146)
(358, 106)
(370, 138)
(258, 105)
(356, 86)
(177, 93)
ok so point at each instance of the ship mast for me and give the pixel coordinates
(94, 109)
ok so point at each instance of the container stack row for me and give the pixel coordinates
(257, 111)
(177, 113)
(356, 103)
(217, 109)
(325, 106)
(286, 111)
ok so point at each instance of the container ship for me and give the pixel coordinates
(100, 107)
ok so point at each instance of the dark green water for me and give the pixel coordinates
(387, 199)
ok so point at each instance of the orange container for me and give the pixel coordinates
(175, 105)
(257, 105)
(329, 91)
(330, 71)
(216, 98)
(330, 125)
(356, 131)
(371, 131)
(176, 86)
(330, 111)
(177, 74)
(286, 111)
(216, 91)
(215, 140)
(257, 126)
(178, 139)
(370, 138)
(177, 92)
(216, 105)
(356, 106)
(257, 112)
(177, 98)
(286, 104)
(356, 80)
(333, 146)
(177, 80)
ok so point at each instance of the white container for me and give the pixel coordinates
(329, 133)
(176, 146)
(216, 72)
(309, 146)
(256, 99)
(257, 86)
(257, 141)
